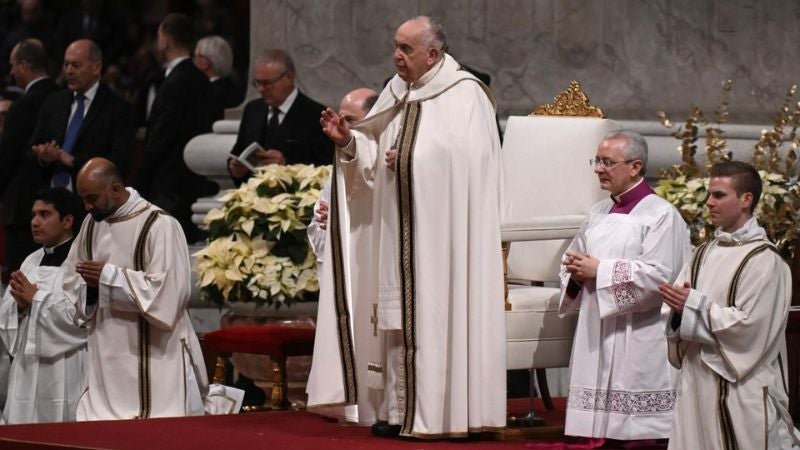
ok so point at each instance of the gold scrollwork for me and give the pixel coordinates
(572, 102)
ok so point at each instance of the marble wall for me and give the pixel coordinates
(633, 57)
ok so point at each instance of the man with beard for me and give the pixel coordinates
(128, 276)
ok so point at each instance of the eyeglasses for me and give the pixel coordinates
(267, 83)
(607, 164)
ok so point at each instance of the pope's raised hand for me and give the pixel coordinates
(335, 127)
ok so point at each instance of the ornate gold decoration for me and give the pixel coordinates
(716, 145)
(766, 155)
(572, 102)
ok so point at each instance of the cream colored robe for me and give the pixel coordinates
(731, 347)
(429, 262)
(144, 359)
(46, 375)
(621, 385)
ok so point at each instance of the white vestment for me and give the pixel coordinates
(621, 385)
(144, 359)
(47, 346)
(424, 256)
(730, 345)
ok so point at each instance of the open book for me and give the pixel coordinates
(248, 156)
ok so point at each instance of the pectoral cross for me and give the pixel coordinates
(373, 319)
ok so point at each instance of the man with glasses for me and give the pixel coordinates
(283, 121)
(621, 384)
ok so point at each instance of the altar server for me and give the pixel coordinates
(621, 384)
(36, 324)
(726, 330)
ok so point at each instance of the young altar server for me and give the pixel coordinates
(36, 319)
(726, 330)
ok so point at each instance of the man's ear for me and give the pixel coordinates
(67, 222)
(433, 56)
(746, 200)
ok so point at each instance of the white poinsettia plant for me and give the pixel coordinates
(778, 211)
(258, 250)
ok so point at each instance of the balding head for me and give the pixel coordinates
(101, 187)
(83, 63)
(419, 44)
(356, 104)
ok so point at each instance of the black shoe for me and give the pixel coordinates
(382, 428)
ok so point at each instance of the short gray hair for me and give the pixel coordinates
(276, 56)
(433, 35)
(218, 52)
(635, 146)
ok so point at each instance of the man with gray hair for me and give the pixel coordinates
(213, 56)
(621, 384)
(427, 159)
(284, 121)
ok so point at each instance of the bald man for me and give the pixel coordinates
(354, 106)
(428, 156)
(82, 121)
(128, 275)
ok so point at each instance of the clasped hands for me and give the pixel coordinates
(50, 152)
(22, 290)
(581, 266)
(675, 296)
(90, 271)
(338, 130)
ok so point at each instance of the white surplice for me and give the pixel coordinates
(621, 384)
(144, 359)
(48, 348)
(429, 262)
(730, 345)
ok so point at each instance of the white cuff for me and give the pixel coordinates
(694, 319)
(114, 286)
(348, 151)
(40, 295)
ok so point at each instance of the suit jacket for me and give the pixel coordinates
(20, 174)
(299, 136)
(180, 112)
(107, 129)
(225, 94)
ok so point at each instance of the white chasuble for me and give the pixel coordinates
(730, 346)
(144, 359)
(421, 275)
(621, 385)
(47, 346)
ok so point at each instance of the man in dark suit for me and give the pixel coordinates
(283, 121)
(180, 112)
(83, 121)
(213, 56)
(20, 174)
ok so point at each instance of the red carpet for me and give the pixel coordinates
(274, 430)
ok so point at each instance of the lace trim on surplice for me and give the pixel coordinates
(622, 402)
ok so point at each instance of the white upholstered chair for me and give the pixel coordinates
(551, 188)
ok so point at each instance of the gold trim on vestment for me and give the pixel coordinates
(145, 388)
(129, 215)
(727, 434)
(88, 239)
(327, 405)
(405, 187)
(373, 367)
(343, 320)
(144, 369)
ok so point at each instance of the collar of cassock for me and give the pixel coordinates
(749, 232)
(55, 256)
(130, 209)
(625, 202)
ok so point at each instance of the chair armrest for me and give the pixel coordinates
(542, 228)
